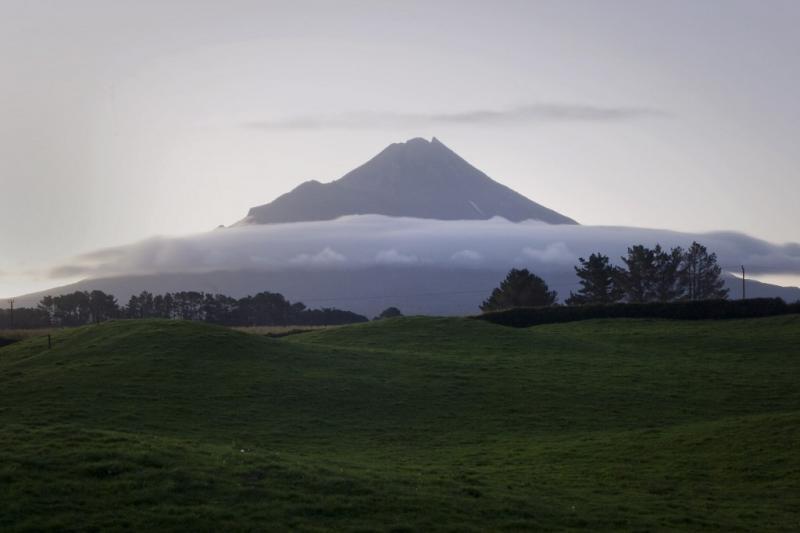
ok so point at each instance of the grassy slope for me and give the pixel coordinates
(415, 423)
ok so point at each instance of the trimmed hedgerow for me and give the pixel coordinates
(685, 310)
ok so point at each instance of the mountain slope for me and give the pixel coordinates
(413, 179)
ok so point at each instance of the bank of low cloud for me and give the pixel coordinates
(363, 241)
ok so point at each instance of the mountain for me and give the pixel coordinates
(417, 178)
(411, 228)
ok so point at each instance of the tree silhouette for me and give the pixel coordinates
(102, 306)
(702, 275)
(389, 312)
(669, 282)
(262, 309)
(638, 280)
(520, 289)
(600, 282)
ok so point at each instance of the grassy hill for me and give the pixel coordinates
(404, 424)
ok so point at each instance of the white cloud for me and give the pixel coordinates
(466, 257)
(358, 241)
(393, 257)
(556, 252)
(327, 257)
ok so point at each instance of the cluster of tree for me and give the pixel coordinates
(262, 309)
(648, 275)
(23, 318)
(79, 308)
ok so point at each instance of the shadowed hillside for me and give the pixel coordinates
(408, 423)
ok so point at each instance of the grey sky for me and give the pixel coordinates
(120, 120)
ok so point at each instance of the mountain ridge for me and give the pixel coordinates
(416, 178)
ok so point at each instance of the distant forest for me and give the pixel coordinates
(263, 309)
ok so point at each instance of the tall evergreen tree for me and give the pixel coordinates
(702, 276)
(638, 280)
(668, 284)
(134, 308)
(168, 306)
(48, 306)
(146, 306)
(520, 289)
(102, 306)
(600, 282)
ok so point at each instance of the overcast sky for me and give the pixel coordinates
(121, 120)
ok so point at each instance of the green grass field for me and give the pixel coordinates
(405, 424)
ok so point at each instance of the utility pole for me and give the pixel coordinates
(11, 313)
(744, 286)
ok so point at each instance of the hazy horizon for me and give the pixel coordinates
(121, 122)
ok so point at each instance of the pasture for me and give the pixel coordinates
(405, 424)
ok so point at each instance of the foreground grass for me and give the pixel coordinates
(405, 424)
(279, 331)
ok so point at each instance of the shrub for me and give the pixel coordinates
(520, 287)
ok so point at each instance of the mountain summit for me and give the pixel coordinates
(417, 178)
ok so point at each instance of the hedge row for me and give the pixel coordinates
(689, 310)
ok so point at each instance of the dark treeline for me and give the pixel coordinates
(23, 318)
(262, 309)
(649, 275)
(654, 283)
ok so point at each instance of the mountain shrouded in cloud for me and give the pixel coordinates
(417, 178)
(416, 226)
